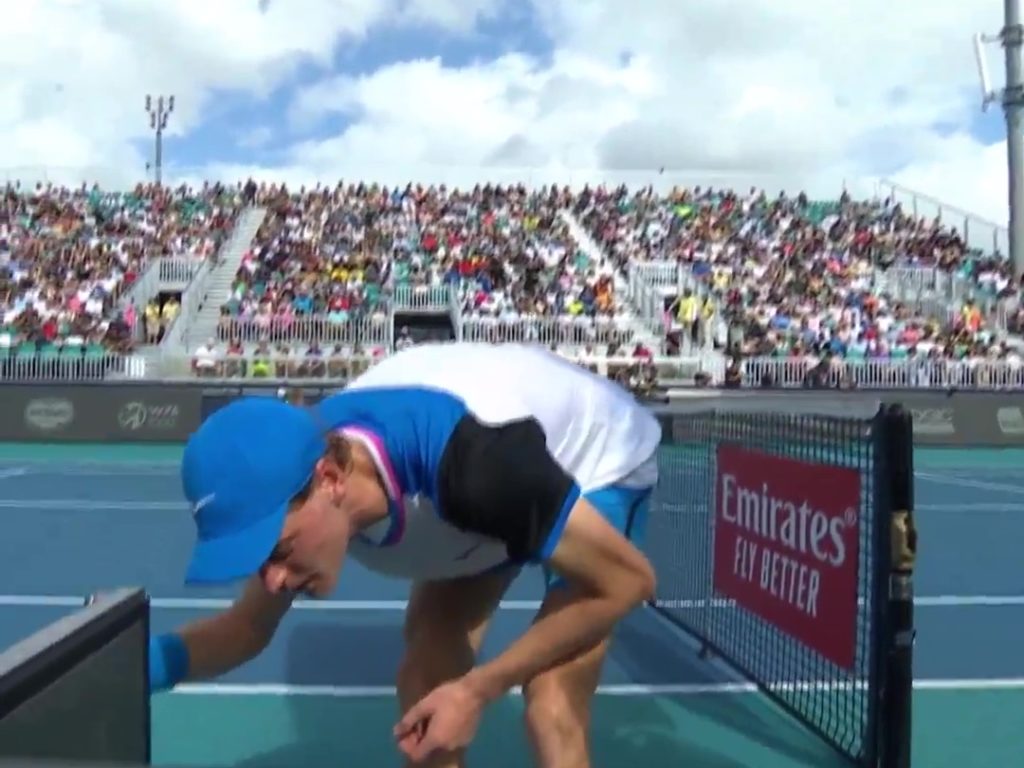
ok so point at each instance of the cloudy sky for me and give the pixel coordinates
(774, 92)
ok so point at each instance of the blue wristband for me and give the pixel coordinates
(168, 662)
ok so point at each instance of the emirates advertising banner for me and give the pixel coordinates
(787, 537)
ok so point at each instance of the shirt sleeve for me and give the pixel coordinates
(501, 481)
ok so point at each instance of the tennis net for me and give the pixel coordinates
(78, 689)
(771, 533)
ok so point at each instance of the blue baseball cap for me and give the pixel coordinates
(239, 472)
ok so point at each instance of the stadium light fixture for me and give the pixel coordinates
(988, 94)
(159, 112)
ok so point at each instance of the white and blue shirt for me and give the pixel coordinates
(483, 451)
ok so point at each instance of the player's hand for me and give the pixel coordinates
(444, 720)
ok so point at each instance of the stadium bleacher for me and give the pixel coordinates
(712, 285)
(861, 287)
(71, 259)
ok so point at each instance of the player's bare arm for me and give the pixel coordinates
(611, 576)
(504, 482)
(226, 640)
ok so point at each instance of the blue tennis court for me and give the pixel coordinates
(85, 518)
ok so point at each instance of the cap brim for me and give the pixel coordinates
(238, 556)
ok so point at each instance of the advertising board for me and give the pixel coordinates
(786, 546)
(115, 413)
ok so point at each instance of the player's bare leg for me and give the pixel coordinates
(445, 624)
(558, 700)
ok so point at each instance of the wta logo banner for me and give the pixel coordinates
(787, 538)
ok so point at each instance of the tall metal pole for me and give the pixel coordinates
(1013, 103)
(158, 114)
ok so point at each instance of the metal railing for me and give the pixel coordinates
(779, 372)
(887, 374)
(166, 269)
(373, 330)
(645, 283)
(931, 291)
(934, 290)
(421, 298)
(987, 236)
(548, 331)
(72, 365)
(180, 269)
(649, 304)
(252, 365)
(649, 284)
(147, 285)
(191, 301)
(660, 274)
(909, 282)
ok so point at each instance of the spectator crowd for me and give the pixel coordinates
(70, 257)
(806, 281)
(504, 254)
(803, 282)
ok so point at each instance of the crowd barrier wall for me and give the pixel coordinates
(99, 413)
(162, 412)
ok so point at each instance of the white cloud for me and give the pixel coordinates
(455, 15)
(76, 71)
(255, 138)
(88, 66)
(791, 93)
(962, 174)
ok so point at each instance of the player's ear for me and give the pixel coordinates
(331, 476)
(325, 469)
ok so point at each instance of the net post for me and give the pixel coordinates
(147, 692)
(897, 648)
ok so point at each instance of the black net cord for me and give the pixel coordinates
(895, 717)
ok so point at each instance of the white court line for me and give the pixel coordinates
(358, 691)
(966, 483)
(696, 645)
(217, 603)
(626, 689)
(97, 505)
(995, 474)
(946, 601)
(972, 506)
(48, 465)
(41, 473)
(977, 506)
(93, 505)
(930, 601)
(123, 471)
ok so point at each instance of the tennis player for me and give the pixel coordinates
(453, 466)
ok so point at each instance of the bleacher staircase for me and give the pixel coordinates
(202, 300)
(589, 246)
(217, 288)
(645, 308)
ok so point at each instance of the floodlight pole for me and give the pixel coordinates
(1012, 99)
(1013, 103)
(158, 114)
